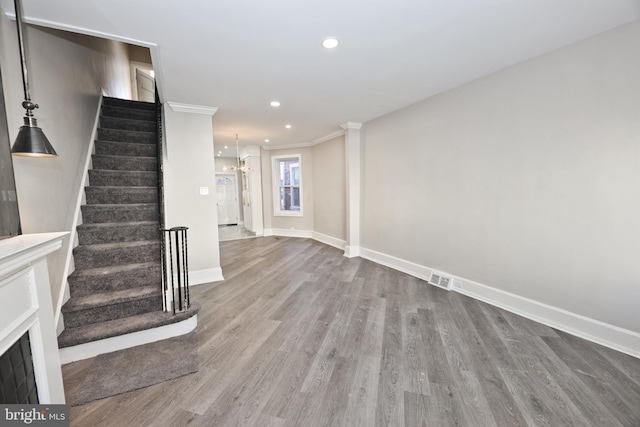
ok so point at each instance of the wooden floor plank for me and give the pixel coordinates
(299, 335)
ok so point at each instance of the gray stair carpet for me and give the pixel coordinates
(133, 368)
(116, 286)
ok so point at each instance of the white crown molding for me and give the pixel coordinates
(80, 30)
(351, 125)
(284, 147)
(193, 109)
(320, 140)
(328, 137)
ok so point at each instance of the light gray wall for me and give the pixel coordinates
(526, 180)
(329, 188)
(67, 73)
(139, 54)
(305, 222)
(187, 167)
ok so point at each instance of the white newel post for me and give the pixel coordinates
(26, 306)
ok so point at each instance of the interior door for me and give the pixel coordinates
(227, 192)
(146, 86)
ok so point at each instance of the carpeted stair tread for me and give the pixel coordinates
(128, 113)
(126, 103)
(115, 277)
(108, 246)
(118, 224)
(105, 254)
(124, 163)
(120, 178)
(109, 212)
(132, 136)
(109, 194)
(112, 328)
(122, 123)
(110, 298)
(131, 149)
(113, 269)
(114, 232)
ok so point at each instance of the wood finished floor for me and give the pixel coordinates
(299, 335)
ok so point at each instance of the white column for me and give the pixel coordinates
(353, 149)
(190, 186)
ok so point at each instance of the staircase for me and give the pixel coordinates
(116, 286)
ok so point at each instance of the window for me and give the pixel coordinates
(287, 185)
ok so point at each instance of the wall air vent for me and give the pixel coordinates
(437, 279)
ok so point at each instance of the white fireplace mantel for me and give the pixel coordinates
(26, 306)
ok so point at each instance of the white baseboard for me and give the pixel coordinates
(351, 251)
(209, 275)
(305, 234)
(108, 345)
(593, 330)
(329, 240)
(413, 269)
(596, 331)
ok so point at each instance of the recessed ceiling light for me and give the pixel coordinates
(287, 126)
(275, 104)
(225, 147)
(330, 43)
(266, 140)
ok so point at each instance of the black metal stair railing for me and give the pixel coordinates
(175, 269)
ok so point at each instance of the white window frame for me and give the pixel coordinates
(275, 167)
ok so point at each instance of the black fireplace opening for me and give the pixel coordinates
(17, 377)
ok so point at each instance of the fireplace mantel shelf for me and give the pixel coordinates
(16, 250)
(26, 306)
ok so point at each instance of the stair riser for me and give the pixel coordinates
(126, 136)
(120, 195)
(125, 149)
(89, 316)
(80, 286)
(124, 163)
(89, 257)
(100, 178)
(128, 113)
(120, 123)
(100, 214)
(124, 103)
(96, 236)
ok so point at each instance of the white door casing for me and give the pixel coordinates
(146, 86)
(227, 193)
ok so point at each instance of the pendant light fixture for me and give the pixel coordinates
(31, 141)
(244, 169)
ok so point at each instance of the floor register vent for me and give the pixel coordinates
(440, 280)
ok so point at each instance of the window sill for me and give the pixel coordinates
(288, 213)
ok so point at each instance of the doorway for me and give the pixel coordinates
(227, 193)
(145, 85)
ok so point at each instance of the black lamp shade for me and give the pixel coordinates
(32, 142)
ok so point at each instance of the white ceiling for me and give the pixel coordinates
(239, 55)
